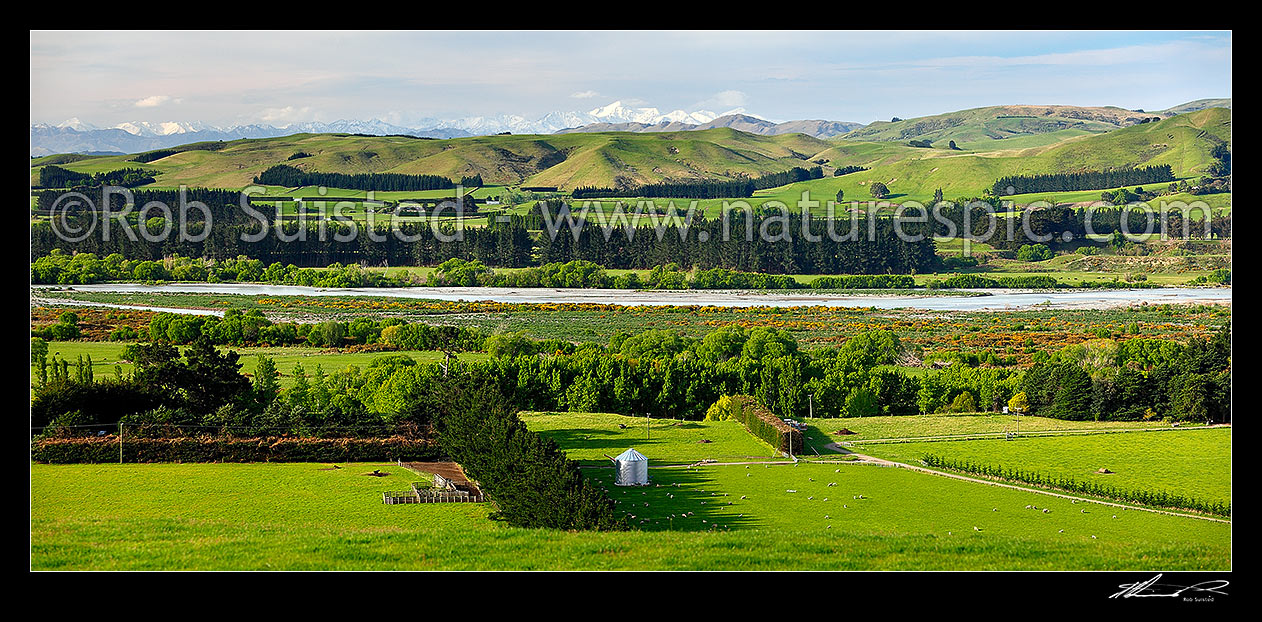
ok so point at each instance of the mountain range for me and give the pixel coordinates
(1032, 124)
(76, 136)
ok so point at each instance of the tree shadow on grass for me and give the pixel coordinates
(678, 499)
(612, 442)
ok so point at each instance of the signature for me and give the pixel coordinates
(1151, 588)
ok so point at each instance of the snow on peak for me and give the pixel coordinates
(164, 128)
(73, 123)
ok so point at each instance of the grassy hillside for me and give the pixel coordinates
(1184, 142)
(568, 161)
(1000, 123)
(565, 160)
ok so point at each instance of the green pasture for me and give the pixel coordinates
(108, 354)
(821, 431)
(1194, 463)
(300, 517)
(591, 437)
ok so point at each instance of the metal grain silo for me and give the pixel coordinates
(631, 468)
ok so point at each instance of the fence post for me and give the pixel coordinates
(120, 442)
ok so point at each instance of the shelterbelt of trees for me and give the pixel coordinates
(59, 268)
(760, 240)
(740, 188)
(1083, 180)
(656, 372)
(293, 177)
(52, 176)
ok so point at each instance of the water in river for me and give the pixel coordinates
(979, 300)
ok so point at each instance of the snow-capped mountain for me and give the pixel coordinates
(146, 128)
(74, 135)
(618, 113)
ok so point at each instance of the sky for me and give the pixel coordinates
(276, 78)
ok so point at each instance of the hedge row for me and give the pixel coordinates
(1157, 498)
(864, 281)
(977, 281)
(758, 420)
(100, 449)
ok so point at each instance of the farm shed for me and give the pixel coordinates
(631, 469)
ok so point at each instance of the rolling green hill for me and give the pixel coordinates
(563, 160)
(568, 161)
(1000, 123)
(1184, 142)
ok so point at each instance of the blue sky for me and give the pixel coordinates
(402, 77)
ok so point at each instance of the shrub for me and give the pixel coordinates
(1034, 252)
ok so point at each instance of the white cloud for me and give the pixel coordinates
(584, 94)
(723, 100)
(288, 113)
(152, 101)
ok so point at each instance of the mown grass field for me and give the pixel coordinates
(590, 437)
(1194, 463)
(298, 517)
(821, 431)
